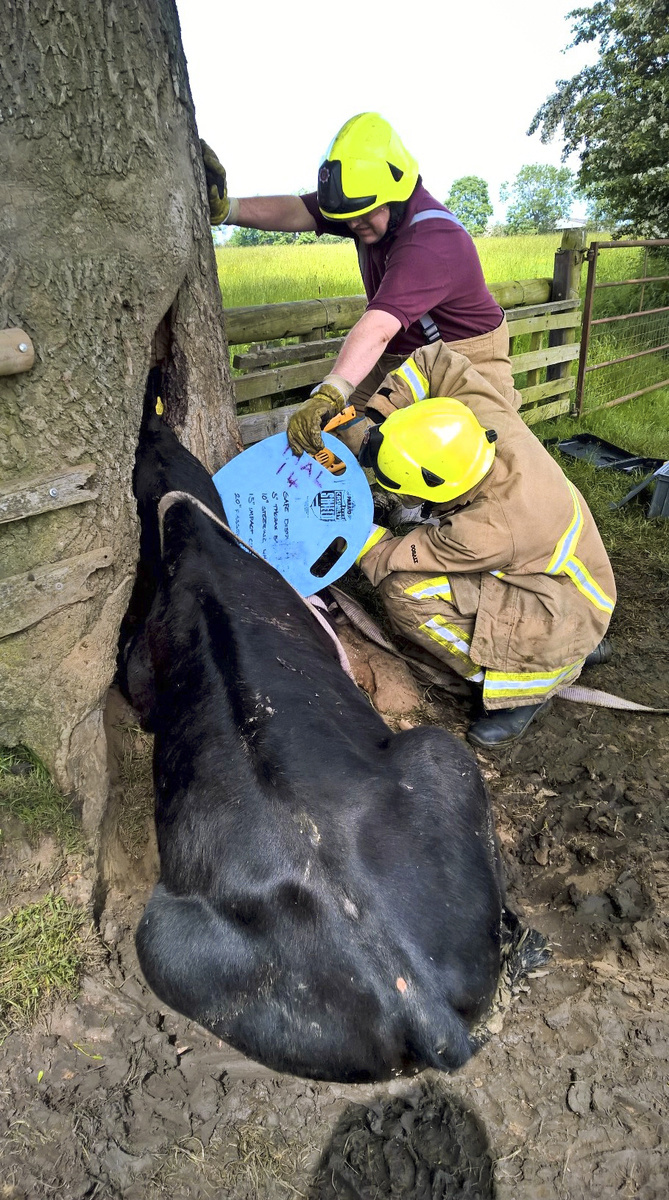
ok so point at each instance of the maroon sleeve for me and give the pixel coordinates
(338, 228)
(428, 269)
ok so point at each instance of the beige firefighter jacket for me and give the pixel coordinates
(545, 584)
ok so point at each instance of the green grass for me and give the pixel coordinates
(43, 949)
(526, 256)
(273, 274)
(28, 794)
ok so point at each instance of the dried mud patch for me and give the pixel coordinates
(112, 1096)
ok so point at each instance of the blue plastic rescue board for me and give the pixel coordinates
(291, 510)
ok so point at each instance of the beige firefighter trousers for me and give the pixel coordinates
(422, 609)
(489, 353)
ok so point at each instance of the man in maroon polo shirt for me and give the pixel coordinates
(420, 268)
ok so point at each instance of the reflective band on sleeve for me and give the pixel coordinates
(527, 684)
(569, 540)
(375, 536)
(429, 214)
(456, 642)
(565, 562)
(431, 587)
(581, 577)
(414, 379)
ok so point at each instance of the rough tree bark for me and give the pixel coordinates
(108, 265)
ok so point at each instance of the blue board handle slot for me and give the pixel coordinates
(336, 551)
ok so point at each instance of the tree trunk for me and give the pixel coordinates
(108, 265)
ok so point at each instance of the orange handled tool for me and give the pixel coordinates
(326, 457)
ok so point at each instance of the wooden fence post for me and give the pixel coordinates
(566, 285)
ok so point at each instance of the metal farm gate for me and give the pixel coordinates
(625, 335)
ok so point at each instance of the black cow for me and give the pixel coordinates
(330, 895)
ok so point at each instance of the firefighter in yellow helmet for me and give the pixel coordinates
(437, 452)
(420, 268)
(510, 586)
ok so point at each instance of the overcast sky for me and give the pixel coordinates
(460, 82)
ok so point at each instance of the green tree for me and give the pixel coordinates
(326, 239)
(539, 197)
(615, 114)
(599, 217)
(260, 237)
(469, 200)
(266, 237)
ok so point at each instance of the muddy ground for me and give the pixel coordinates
(112, 1096)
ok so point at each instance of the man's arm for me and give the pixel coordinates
(282, 213)
(476, 539)
(364, 345)
(362, 349)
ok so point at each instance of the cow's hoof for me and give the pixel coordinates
(601, 654)
(504, 726)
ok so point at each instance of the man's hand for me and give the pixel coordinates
(326, 401)
(217, 188)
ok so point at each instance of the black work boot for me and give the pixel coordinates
(503, 726)
(601, 654)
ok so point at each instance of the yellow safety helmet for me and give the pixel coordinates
(364, 166)
(435, 449)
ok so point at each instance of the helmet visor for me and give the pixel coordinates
(331, 197)
(369, 457)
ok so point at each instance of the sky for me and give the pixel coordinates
(460, 82)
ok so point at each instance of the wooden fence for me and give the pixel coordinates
(544, 312)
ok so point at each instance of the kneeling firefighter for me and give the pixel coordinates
(512, 588)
